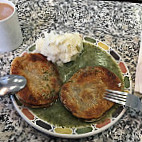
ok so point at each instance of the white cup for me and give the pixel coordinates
(10, 31)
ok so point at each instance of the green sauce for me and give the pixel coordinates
(91, 56)
(57, 114)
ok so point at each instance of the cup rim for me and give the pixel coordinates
(11, 4)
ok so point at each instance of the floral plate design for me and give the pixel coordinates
(78, 131)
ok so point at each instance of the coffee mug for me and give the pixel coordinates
(10, 31)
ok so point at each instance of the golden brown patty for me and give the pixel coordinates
(83, 93)
(43, 81)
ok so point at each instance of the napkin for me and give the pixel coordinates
(138, 78)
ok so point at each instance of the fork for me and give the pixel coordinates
(123, 98)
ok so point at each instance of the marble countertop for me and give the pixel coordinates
(116, 23)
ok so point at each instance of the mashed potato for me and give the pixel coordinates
(60, 48)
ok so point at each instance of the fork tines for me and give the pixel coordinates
(116, 96)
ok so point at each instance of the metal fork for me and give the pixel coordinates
(124, 98)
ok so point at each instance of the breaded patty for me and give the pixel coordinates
(43, 81)
(83, 93)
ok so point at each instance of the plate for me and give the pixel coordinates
(73, 127)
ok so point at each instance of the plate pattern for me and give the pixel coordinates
(84, 131)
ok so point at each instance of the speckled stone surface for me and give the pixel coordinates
(118, 24)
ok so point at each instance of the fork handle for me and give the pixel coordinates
(134, 102)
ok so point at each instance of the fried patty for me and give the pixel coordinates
(83, 93)
(43, 83)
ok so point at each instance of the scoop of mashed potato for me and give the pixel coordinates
(60, 48)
